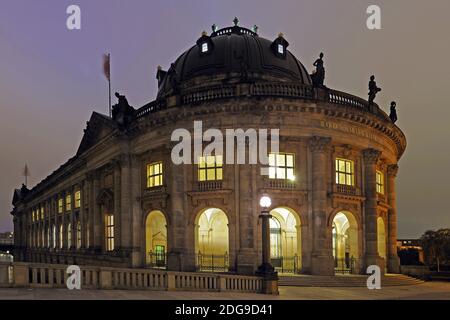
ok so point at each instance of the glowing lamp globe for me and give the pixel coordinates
(265, 202)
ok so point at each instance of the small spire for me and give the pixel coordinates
(235, 21)
(204, 33)
(214, 28)
(255, 28)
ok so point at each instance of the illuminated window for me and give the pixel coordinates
(109, 232)
(61, 237)
(78, 235)
(345, 172)
(54, 236)
(60, 205)
(68, 202)
(32, 216)
(281, 166)
(280, 49)
(380, 182)
(42, 212)
(154, 174)
(210, 168)
(77, 199)
(69, 235)
(42, 237)
(205, 47)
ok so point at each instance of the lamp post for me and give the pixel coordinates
(266, 270)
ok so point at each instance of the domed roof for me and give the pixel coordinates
(233, 52)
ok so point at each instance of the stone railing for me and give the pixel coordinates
(280, 184)
(213, 93)
(346, 190)
(266, 89)
(209, 185)
(32, 275)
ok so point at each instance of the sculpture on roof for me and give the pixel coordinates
(318, 75)
(393, 113)
(173, 78)
(373, 90)
(122, 112)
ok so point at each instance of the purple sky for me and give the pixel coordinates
(51, 79)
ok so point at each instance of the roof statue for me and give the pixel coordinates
(122, 112)
(393, 113)
(373, 90)
(318, 76)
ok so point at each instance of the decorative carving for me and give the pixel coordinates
(392, 170)
(371, 155)
(123, 113)
(319, 144)
(347, 150)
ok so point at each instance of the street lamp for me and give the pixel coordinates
(266, 269)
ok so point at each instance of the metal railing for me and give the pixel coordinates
(212, 262)
(157, 260)
(286, 264)
(345, 265)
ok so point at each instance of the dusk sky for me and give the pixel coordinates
(51, 78)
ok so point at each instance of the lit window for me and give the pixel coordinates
(32, 216)
(78, 235)
(280, 49)
(54, 236)
(345, 172)
(281, 166)
(61, 237)
(154, 175)
(43, 237)
(42, 212)
(60, 205)
(48, 237)
(205, 47)
(380, 182)
(210, 168)
(68, 202)
(69, 235)
(77, 199)
(109, 232)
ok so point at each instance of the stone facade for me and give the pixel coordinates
(317, 125)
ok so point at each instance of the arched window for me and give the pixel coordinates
(275, 238)
(109, 232)
(69, 235)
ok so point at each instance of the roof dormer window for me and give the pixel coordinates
(279, 46)
(280, 49)
(205, 47)
(205, 44)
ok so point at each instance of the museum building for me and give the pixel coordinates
(121, 200)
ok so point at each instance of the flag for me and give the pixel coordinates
(107, 66)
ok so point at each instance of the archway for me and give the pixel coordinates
(285, 240)
(212, 240)
(156, 239)
(345, 242)
(381, 237)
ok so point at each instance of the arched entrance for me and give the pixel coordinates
(381, 238)
(156, 239)
(285, 240)
(212, 240)
(345, 243)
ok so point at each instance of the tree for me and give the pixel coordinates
(435, 245)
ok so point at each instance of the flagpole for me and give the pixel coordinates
(109, 85)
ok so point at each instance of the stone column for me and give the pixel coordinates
(96, 215)
(393, 259)
(125, 202)
(322, 256)
(81, 217)
(371, 157)
(117, 208)
(179, 257)
(137, 225)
